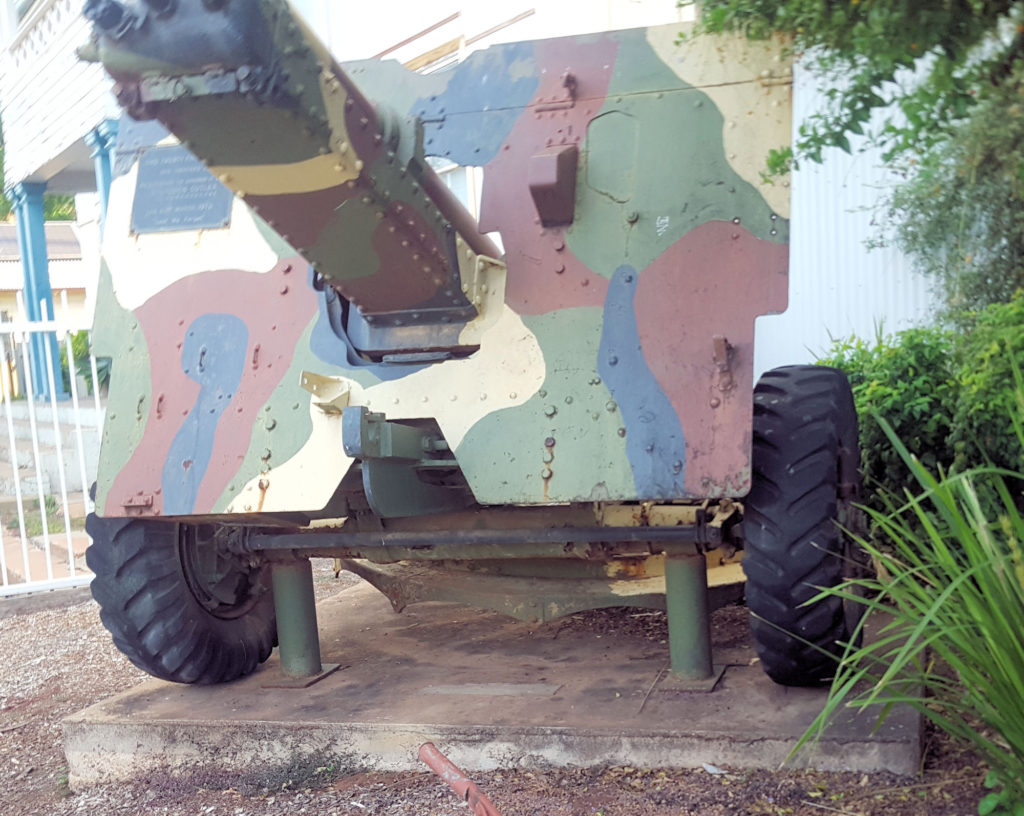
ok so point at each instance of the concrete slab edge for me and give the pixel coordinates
(100, 752)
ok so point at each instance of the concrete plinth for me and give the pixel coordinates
(488, 691)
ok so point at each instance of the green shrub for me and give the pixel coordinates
(83, 368)
(945, 394)
(989, 350)
(950, 591)
(909, 381)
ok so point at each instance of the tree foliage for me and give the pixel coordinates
(959, 50)
(960, 214)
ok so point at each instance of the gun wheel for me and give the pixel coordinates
(805, 480)
(179, 605)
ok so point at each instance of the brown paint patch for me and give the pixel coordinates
(401, 282)
(714, 280)
(275, 323)
(301, 218)
(543, 274)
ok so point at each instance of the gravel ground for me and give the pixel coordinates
(56, 658)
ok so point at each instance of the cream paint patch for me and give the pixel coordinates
(484, 285)
(307, 480)
(143, 265)
(507, 371)
(752, 85)
(310, 175)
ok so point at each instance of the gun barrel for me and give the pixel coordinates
(255, 95)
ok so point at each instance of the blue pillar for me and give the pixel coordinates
(102, 139)
(28, 209)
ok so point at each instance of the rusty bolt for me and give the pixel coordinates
(549, 442)
(547, 473)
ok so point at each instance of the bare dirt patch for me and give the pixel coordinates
(56, 658)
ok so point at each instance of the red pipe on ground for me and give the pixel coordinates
(457, 781)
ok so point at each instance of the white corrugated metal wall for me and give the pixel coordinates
(837, 287)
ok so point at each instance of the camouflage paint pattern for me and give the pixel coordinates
(609, 358)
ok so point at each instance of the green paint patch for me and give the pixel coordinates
(212, 123)
(350, 237)
(654, 168)
(120, 337)
(506, 455)
(389, 80)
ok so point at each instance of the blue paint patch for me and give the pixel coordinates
(330, 343)
(655, 445)
(471, 119)
(213, 354)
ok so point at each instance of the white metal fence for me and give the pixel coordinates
(52, 449)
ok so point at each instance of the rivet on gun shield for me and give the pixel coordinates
(550, 410)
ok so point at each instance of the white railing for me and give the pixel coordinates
(36, 558)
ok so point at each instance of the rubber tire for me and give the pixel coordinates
(153, 615)
(805, 433)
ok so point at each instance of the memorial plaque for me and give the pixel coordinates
(176, 192)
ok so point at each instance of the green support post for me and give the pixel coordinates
(295, 606)
(686, 601)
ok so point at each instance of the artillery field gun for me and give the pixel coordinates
(319, 352)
